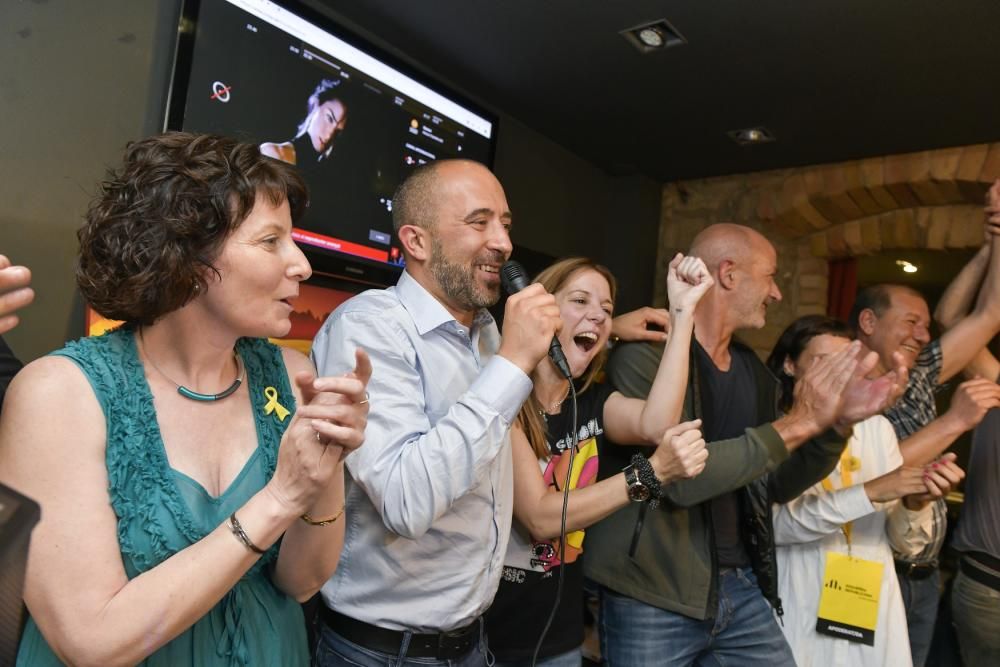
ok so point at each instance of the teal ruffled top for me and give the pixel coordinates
(162, 511)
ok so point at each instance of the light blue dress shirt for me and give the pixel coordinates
(430, 493)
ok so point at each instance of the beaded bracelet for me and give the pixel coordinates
(323, 522)
(241, 535)
(644, 471)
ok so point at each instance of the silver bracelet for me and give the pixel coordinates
(241, 535)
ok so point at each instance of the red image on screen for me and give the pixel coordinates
(313, 305)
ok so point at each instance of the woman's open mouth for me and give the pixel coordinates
(585, 341)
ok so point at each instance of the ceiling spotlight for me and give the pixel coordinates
(906, 266)
(653, 36)
(751, 135)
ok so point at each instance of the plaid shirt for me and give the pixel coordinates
(915, 410)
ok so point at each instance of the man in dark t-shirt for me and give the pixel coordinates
(726, 416)
(693, 580)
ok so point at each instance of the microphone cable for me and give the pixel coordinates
(562, 526)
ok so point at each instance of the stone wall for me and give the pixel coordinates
(928, 200)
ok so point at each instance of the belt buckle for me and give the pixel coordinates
(921, 570)
(455, 643)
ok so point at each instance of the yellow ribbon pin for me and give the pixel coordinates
(272, 404)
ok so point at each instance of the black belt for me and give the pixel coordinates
(915, 570)
(442, 645)
(982, 568)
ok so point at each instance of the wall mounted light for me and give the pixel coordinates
(906, 266)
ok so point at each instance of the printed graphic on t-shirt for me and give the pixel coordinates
(587, 431)
(545, 553)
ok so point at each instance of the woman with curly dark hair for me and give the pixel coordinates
(190, 473)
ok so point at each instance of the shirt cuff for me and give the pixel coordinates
(854, 503)
(503, 386)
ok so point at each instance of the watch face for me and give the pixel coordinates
(638, 493)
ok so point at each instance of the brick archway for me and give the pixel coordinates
(926, 200)
(813, 199)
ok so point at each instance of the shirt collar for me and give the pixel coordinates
(427, 312)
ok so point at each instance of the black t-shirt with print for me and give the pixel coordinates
(531, 568)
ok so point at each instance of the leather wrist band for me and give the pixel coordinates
(644, 469)
(323, 522)
(241, 535)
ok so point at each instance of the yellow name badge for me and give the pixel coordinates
(848, 605)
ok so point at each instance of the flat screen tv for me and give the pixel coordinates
(353, 120)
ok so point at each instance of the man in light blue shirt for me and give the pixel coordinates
(430, 495)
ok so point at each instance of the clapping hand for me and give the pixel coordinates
(328, 426)
(863, 396)
(341, 404)
(15, 293)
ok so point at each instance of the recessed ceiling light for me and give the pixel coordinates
(751, 135)
(906, 266)
(653, 36)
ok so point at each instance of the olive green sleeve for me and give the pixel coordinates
(805, 466)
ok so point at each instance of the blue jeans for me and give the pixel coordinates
(975, 610)
(743, 632)
(568, 659)
(921, 598)
(332, 650)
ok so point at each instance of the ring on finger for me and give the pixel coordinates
(364, 401)
(320, 439)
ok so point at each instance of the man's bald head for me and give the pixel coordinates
(744, 265)
(415, 201)
(728, 241)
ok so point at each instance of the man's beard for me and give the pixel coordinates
(458, 282)
(750, 315)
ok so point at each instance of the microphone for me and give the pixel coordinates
(514, 279)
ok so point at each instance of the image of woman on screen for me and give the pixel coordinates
(326, 117)
(190, 473)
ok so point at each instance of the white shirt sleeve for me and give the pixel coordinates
(909, 531)
(814, 515)
(414, 471)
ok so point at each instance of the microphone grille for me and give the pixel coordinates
(513, 276)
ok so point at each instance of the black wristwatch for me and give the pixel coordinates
(637, 491)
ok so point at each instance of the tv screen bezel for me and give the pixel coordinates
(325, 261)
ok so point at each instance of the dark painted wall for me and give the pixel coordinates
(80, 79)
